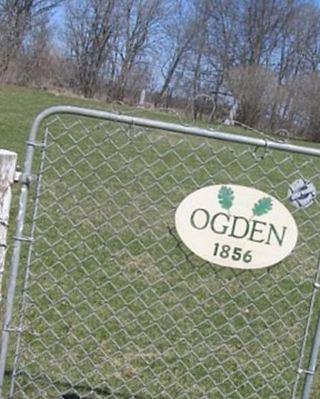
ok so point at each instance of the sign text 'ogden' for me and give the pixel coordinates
(236, 226)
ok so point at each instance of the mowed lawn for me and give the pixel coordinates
(114, 305)
(19, 106)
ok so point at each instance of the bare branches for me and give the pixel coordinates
(90, 26)
(16, 20)
(178, 51)
(139, 18)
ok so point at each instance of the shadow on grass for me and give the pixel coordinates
(75, 391)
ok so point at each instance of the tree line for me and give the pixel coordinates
(258, 58)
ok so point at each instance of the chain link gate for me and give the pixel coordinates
(108, 303)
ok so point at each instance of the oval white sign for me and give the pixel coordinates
(236, 226)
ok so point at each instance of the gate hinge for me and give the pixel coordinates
(24, 239)
(13, 329)
(302, 371)
(35, 144)
(20, 177)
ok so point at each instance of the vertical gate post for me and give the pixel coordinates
(8, 161)
(312, 363)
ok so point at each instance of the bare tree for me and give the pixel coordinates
(198, 60)
(299, 45)
(16, 20)
(138, 20)
(223, 47)
(264, 55)
(179, 31)
(304, 110)
(90, 25)
(262, 22)
(298, 55)
(36, 61)
(253, 86)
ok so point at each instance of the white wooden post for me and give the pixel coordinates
(8, 161)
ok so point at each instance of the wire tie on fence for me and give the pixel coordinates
(3, 245)
(266, 147)
(130, 134)
(34, 144)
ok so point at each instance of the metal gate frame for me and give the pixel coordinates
(26, 177)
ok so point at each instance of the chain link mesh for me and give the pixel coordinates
(115, 306)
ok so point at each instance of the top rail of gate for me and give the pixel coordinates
(172, 127)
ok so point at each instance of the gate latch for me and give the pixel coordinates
(302, 193)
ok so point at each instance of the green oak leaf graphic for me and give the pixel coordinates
(226, 197)
(263, 206)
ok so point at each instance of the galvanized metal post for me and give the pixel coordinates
(307, 389)
(8, 161)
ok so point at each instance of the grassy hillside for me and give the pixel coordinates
(19, 106)
(116, 306)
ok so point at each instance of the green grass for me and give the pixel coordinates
(116, 306)
(19, 106)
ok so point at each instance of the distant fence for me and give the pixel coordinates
(105, 301)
